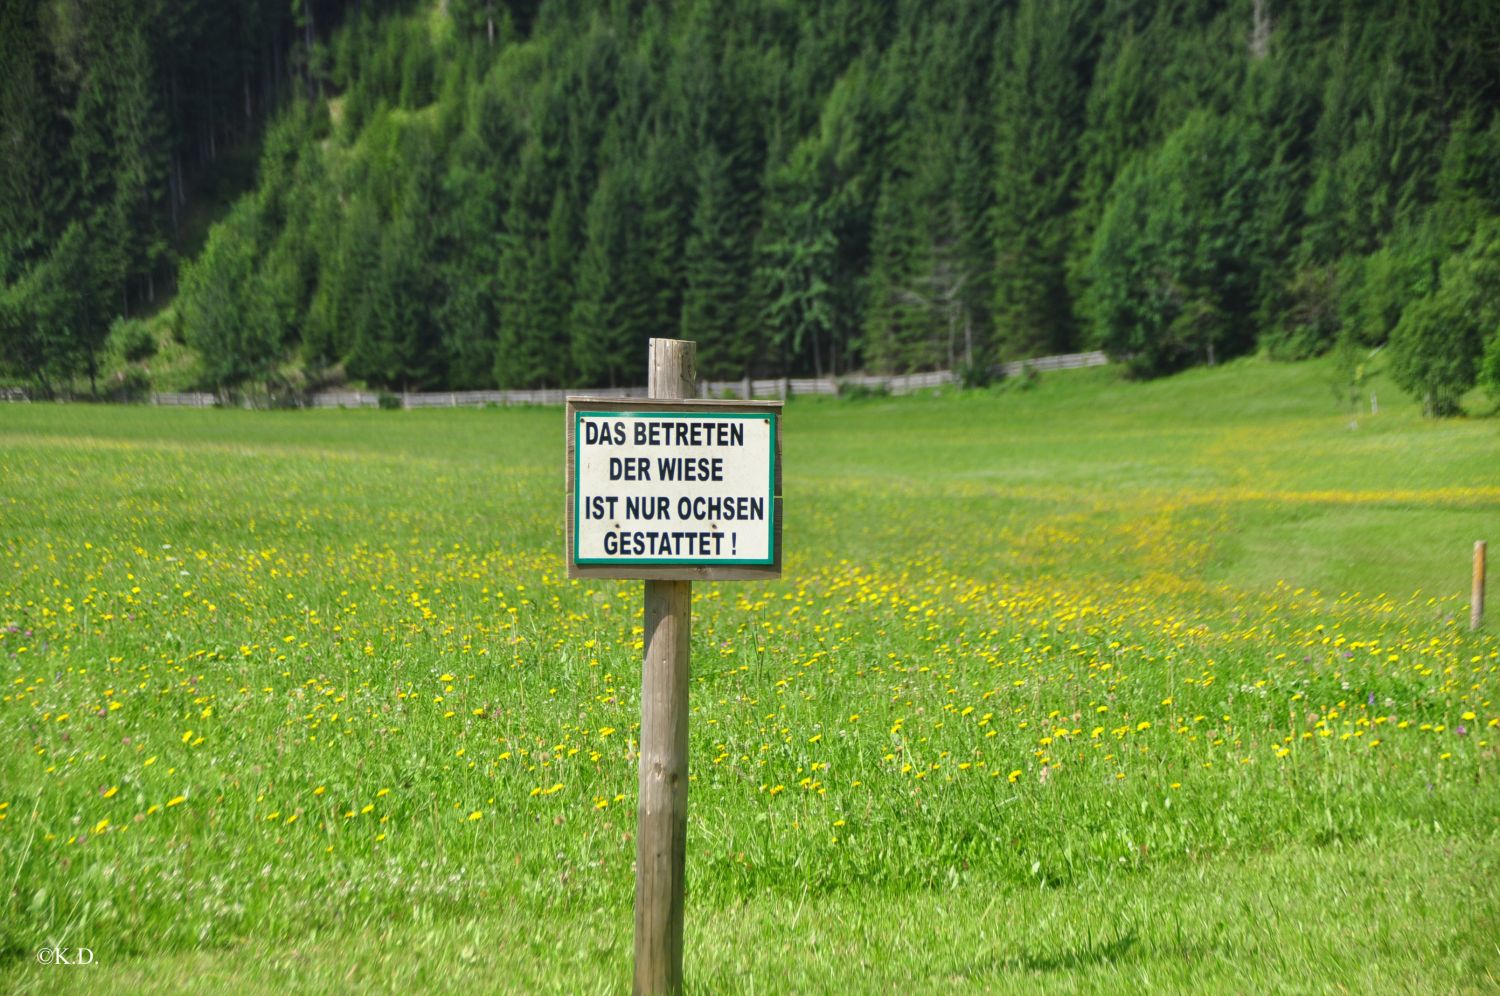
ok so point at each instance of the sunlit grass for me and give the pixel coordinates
(284, 676)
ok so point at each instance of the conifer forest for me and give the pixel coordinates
(480, 193)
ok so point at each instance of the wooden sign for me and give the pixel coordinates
(673, 490)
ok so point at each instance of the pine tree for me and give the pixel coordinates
(717, 268)
(1172, 273)
(894, 332)
(534, 263)
(224, 316)
(1042, 84)
(343, 303)
(795, 270)
(666, 197)
(606, 317)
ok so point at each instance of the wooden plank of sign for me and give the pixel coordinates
(722, 572)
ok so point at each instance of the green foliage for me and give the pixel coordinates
(794, 270)
(1432, 354)
(1043, 88)
(895, 338)
(51, 317)
(1171, 274)
(852, 390)
(606, 314)
(1310, 315)
(1352, 372)
(978, 376)
(1436, 346)
(228, 314)
(116, 121)
(1378, 287)
(132, 339)
(717, 269)
(477, 192)
(1489, 371)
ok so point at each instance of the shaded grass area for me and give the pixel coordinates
(1408, 913)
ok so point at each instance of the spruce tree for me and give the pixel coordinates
(716, 271)
(1042, 82)
(606, 316)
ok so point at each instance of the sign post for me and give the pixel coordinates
(670, 490)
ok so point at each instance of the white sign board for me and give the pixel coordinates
(674, 488)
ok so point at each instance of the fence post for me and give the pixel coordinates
(661, 807)
(1476, 592)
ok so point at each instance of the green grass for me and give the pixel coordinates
(1299, 920)
(1089, 686)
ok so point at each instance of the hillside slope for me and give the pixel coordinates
(467, 194)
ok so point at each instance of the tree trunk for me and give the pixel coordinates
(952, 337)
(312, 85)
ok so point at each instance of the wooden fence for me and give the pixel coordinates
(781, 387)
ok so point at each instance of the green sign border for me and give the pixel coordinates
(578, 417)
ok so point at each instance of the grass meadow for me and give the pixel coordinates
(1085, 686)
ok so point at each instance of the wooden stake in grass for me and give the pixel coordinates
(1476, 593)
(623, 489)
(661, 813)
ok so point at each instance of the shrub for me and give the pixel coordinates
(129, 385)
(132, 339)
(1310, 321)
(858, 390)
(978, 375)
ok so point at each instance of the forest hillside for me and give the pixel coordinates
(475, 193)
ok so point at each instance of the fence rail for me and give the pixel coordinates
(780, 387)
(185, 399)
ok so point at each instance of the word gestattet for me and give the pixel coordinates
(662, 543)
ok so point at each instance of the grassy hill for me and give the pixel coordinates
(1085, 684)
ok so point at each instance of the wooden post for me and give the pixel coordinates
(1476, 593)
(661, 808)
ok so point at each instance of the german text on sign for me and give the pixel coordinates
(674, 488)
